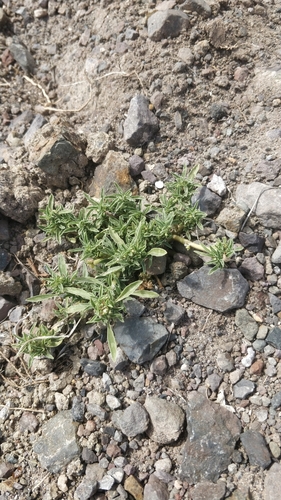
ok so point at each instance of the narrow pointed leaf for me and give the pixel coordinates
(77, 308)
(111, 342)
(62, 265)
(39, 298)
(79, 292)
(128, 290)
(146, 294)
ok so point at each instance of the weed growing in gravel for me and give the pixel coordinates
(116, 238)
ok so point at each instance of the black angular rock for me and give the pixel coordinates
(141, 124)
(253, 242)
(274, 337)
(207, 201)
(222, 291)
(22, 55)
(94, 368)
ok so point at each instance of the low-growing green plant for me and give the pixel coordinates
(116, 238)
(38, 342)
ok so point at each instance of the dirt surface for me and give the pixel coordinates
(91, 59)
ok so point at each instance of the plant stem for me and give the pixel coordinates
(188, 243)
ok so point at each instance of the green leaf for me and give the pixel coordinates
(111, 270)
(39, 298)
(79, 292)
(129, 290)
(146, 294)
(111, 342)
(62, 265)
(116, 238)
(157, 252)
(77, 308)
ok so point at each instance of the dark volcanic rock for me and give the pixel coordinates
(256, 448)
(140, 339)
(94, 368)
(222, 291)
(208, 201)
(57, 445)
(165, 23)
(141, 124)
(212, 434)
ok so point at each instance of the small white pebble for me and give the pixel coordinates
(159, 184)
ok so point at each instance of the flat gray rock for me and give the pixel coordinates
(243, 388)
(272, 483)
(166, 420)
(141, 124)
(274, 337)
(208, 201)
(134, 420)
(57, 445)
(265, 200)
(209, 491)
(222, 291)
(199, 6)
(155, 489)
(248, 326)
(212, 435)
(167, 23)
(141, 339)
(256, 448)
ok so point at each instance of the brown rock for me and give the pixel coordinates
(113, 171)
(257, 367)
(241, 73)
(134, 488)
(208, 491)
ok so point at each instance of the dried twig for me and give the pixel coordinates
(42, 481)
(254, 206)
(36, 84)
(24, 409)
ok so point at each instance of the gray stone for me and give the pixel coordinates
(117, 473)
(106, 482)
(112, 402)
(77, 409)
(28, 422)
(5, 306)
(217, 185)
(208, 491)
(38, 122)
(213, 381)
(231, 218)
(276, 256)
(252, 269)
(167, 23)
(134, 307)
(243, 388)
(22, 55)
(156, 265)
(166, 420)
(186, 54)
(268, 170)
(4, 229)
(59, 152)
(113, 171)
(98, 145)
(253, 242)
(93, 368)
(140, 339)
(218, 111)
(275, 303)
(173, 312)
(57, 445)
(8, 286)
(225, 361)
(272, 483)
(200, 6)
(207, 201)
(265, 200)
(212, 435)
(120, 362)
(136, 165)
(222, 291)
(155, 489)
(256, 448)
(274, 337)
(97, 411)
(246, 323)
(159, 366)
(88, 456)
(85, 489)
(134, 420)
(276, 400)
(141, 124)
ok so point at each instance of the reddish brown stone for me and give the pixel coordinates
(257, 367)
